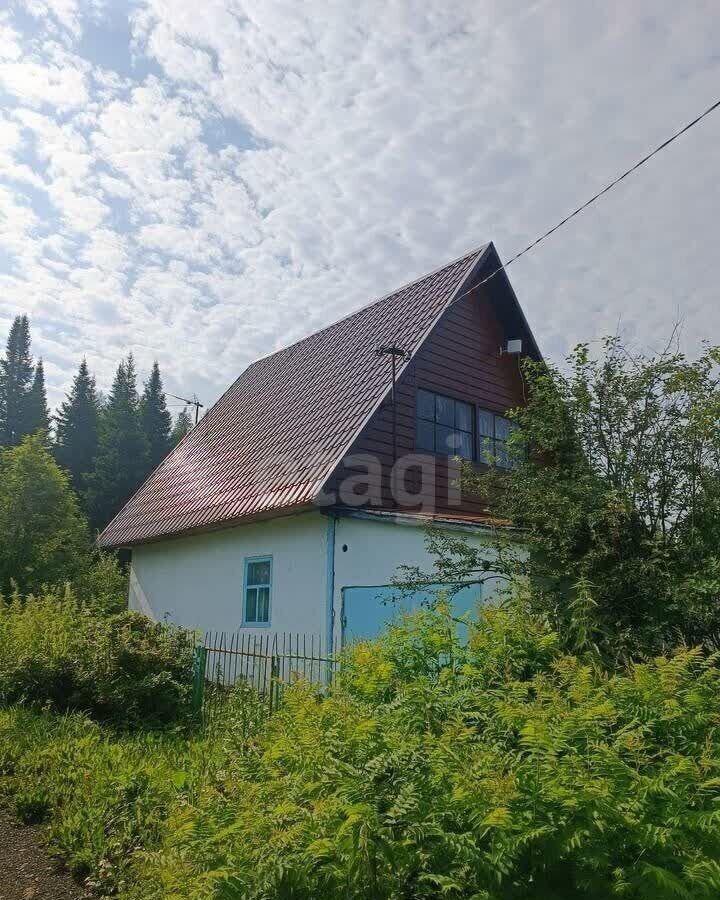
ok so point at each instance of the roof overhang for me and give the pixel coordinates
(265, 516)
(446, 521)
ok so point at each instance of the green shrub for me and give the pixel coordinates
(124, 668)
(102, 584)
(501, 770)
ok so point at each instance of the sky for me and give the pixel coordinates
(202, 184)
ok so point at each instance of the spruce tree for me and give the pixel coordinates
(16, 372)
(156, 421)
(37, 415)
(183, 425)
(122, 455)
(76, 436)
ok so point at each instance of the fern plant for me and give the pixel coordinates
(498, 768)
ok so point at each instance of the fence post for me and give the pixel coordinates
(198, 687)
(274, 681)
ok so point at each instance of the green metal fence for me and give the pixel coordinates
(266, 663)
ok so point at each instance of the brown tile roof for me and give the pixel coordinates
(275, 436)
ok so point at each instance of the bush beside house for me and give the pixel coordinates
(505, 768)
(58, 652)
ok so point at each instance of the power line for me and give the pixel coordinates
(194, 402)
(575, 212)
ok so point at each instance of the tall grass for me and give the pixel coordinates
(497, 770)
(105, 796)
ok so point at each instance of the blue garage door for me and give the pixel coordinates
(367, 610)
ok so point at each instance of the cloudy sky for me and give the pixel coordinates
(202, 183)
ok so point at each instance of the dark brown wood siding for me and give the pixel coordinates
(460, 359)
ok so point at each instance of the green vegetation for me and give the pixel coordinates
(107, 448)
(155, 419)
(504, 768)
(44, 534)
(76, 427)
(38, 415)
(555, 746)
(183, 425)
(616, 493)
(121, 459)
(104, 796)
(16, 378)
(59, 653)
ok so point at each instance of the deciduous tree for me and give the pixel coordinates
(44, 535)
(615, 498)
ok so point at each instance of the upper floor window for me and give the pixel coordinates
(258, 580)
(445, 425)
(493, 432)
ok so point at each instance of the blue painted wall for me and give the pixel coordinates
(367, 610)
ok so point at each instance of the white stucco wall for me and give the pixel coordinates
(197, 581)
(376, 549)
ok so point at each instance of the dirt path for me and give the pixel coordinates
(26, 870)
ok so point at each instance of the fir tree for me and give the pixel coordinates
(156, 421)
(183, 425)
(122, 455)
(37, 415)
(77, 428)
(16, 372)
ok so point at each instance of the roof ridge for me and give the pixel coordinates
(473, 252)
(474, 258)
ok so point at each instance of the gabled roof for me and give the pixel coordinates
(273, 439)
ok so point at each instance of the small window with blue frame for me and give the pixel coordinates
(258, 582)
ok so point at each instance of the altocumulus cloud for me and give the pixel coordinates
(204, 188)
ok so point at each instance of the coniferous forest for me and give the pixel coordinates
(106, 445)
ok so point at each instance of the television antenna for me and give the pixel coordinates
(194, 402)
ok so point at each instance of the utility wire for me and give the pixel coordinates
(550, 231)
(575, 212)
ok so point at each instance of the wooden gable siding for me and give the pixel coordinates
(459, 359)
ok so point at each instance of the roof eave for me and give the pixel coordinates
(264, 516)
(445, 521)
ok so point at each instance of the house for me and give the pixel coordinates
(292, 503)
